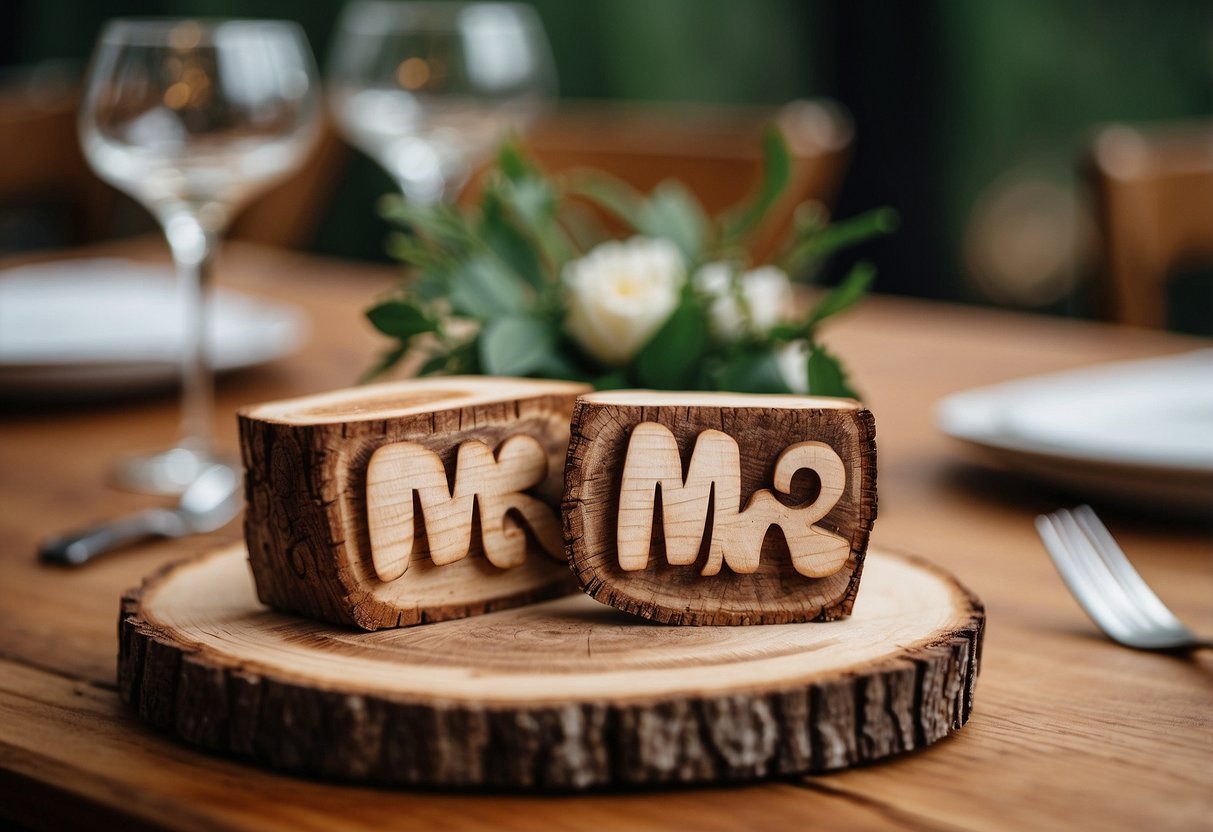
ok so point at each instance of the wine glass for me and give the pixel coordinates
(192, 119)
(427, 89)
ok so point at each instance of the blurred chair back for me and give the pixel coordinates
(716, 151)
(290, 213)
(44, 173)
(48, 195)
(1154, 201)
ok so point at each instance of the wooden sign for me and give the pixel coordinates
(403, 503)
(708, 508)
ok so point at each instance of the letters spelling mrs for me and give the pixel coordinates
(713, 485)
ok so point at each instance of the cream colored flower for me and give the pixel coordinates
(620, 293)
(761, 298)
(793, 360)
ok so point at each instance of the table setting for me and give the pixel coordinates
(598, 506)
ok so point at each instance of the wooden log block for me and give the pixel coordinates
(563, 694)
(397, 504)
(709, 508)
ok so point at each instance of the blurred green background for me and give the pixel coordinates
(948, 97)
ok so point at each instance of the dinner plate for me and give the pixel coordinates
(92, 328)
(1139, 431)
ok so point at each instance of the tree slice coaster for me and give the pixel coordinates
(565, 694)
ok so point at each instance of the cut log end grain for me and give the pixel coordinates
(752, 509)
(328, 540)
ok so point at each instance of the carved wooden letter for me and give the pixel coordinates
(332, 480)
(704, 505)
(493, 486)
(740, 539)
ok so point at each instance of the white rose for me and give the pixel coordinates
(793, 360)
(761, 298)
(620, 294)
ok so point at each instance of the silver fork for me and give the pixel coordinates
(1107, 586)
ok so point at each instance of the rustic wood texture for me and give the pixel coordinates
(566, 694)
(487, 488)
(328, 540)
(1069, 730)
(704, 550)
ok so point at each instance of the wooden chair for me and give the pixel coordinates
(1153, 191)
(716, 151)
(43, 166)
(289, 215)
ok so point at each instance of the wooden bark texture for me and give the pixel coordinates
(308, 522)
(561, 695)
(673, 588)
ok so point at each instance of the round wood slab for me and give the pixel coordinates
(565, 694)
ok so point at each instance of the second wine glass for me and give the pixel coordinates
(426, 89)
(193, 119)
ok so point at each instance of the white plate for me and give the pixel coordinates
(1139, 431)
(92, 327)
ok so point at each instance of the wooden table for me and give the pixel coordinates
(1068, 730)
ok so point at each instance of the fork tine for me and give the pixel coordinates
(1122, 570)
(1084, 589)
(1100, 576)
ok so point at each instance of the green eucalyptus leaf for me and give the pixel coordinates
(826, 375)
(514, 248)
(849, 292)
(776, 173)
(671, 358)
(513, 162)
(582, 226)
(409, 249)
(789, 331)
(386, 361)
(434, 364)
(464, 359)
(614, 196)
(439, 222)
(614, 380)
(533, 198)
(555, 364)
(515, 346)
(817, 243)
(672, 212)
(753, 371)
(431, 284)
(483, 287)
(532, 201)
(400, 319)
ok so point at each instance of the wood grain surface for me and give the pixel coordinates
(326, 537)
(1069, 731)
(565, 694)
(648, 528)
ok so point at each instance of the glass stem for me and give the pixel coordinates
(193, 248)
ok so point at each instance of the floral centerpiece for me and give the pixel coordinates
(526, 283)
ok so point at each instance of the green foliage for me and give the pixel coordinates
(776, 173)
(672, 212)
(826, 375)
(400, 319)
(515, 346)
(848, 293)
(671, 359)
(485, 295)
(753, 370)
